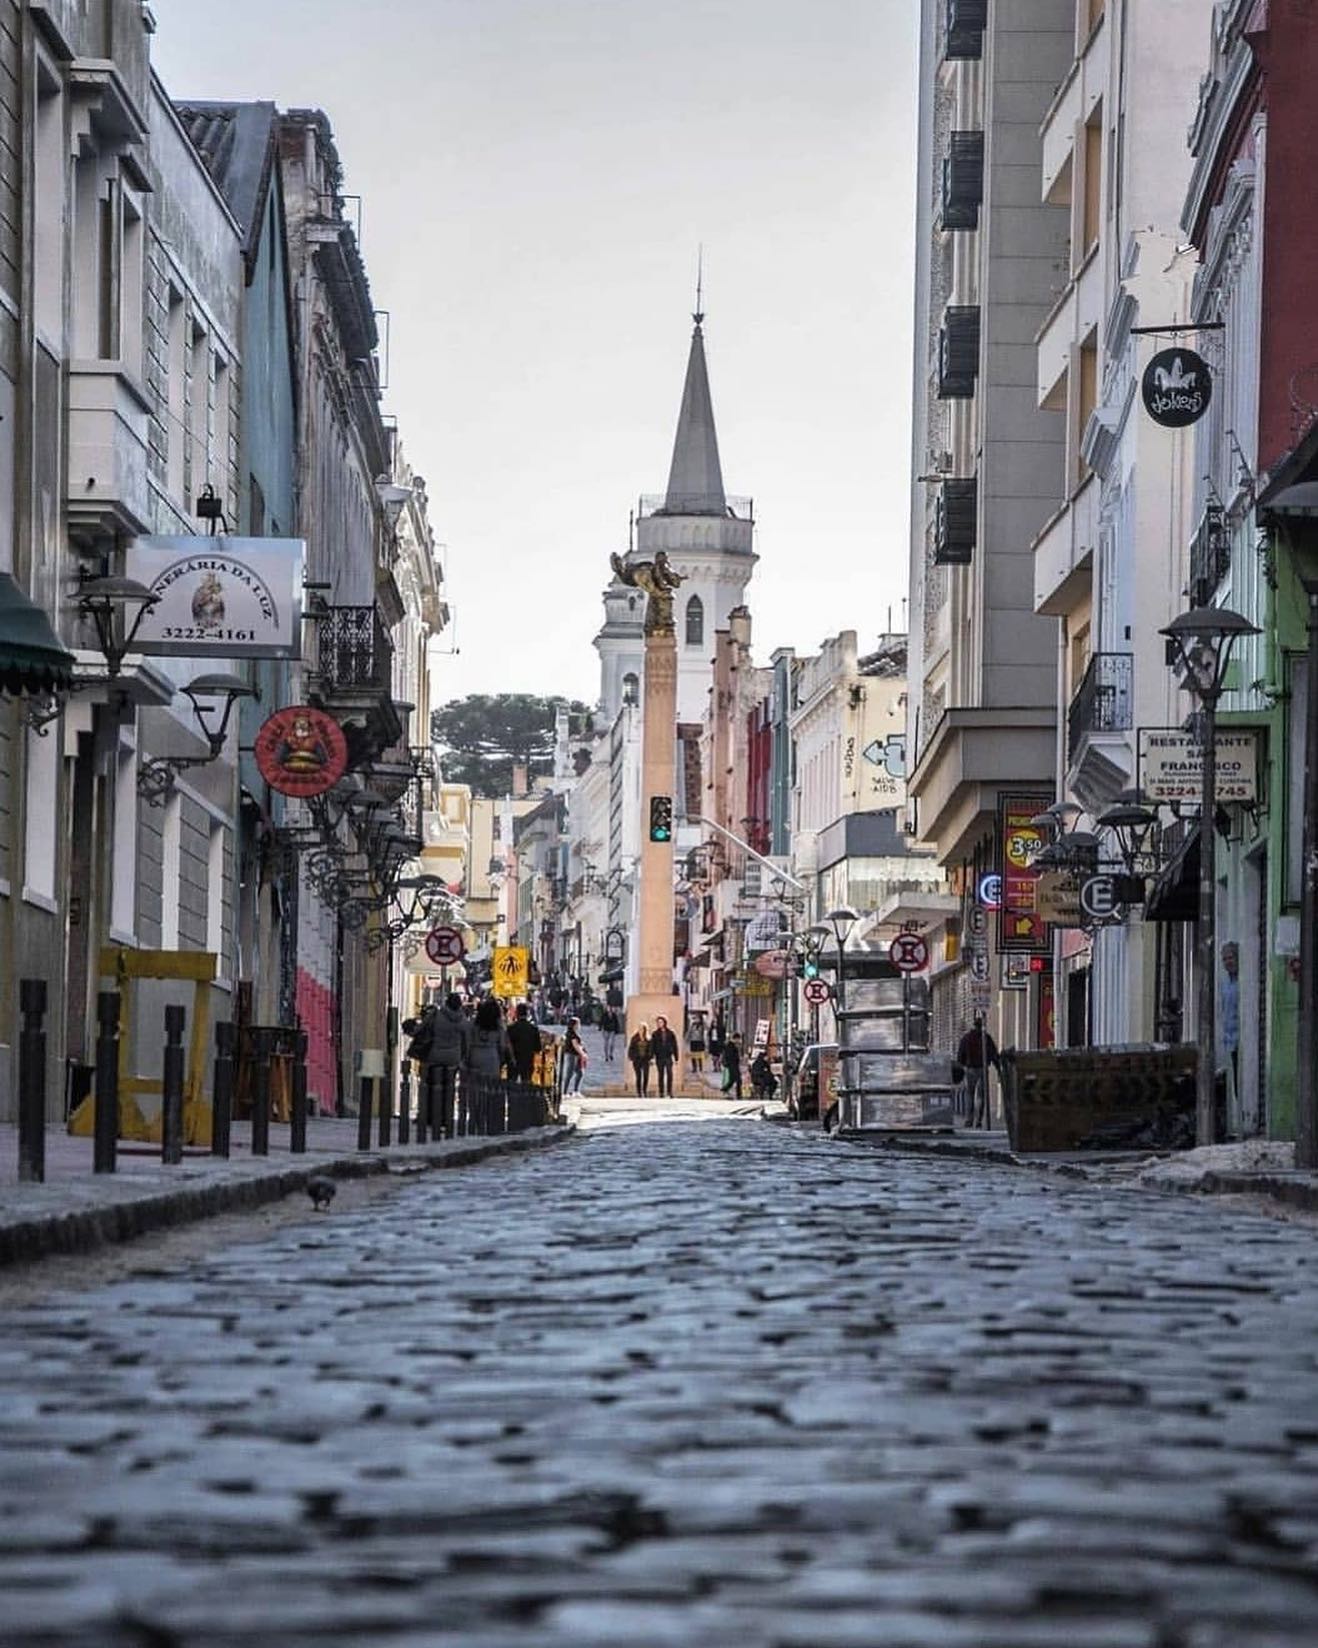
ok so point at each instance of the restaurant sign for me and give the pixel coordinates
(220, 597)
(1021, 924)
(1172, 765)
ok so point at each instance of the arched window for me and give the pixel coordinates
(631, 689)
(695, 621)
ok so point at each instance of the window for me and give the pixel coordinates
(215, 898)
(695, 622)
(198, 468)
(177, 403)
(171, 870)
(48, 203)
(41, 832)
(1091, 221)
(1086, 400)
(123, 885)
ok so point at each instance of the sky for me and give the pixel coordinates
(536, 179)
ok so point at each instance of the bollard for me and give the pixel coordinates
(298, 1112)
(367, 1091)
(386, 1111)
(171, 1088)
(261, 1095)
(405, 1104)
(32, 1082)
(222, 1090)
(105, 1148)
(422, 1102)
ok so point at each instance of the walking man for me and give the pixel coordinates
(447, 1046)
(663, 1046)
(976, 1052)
(524, 1039)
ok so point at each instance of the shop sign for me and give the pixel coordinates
(772, 964)
(764, 930)
(1172, 765)
(1176, 387)
(301, 751)
(751, 984)
(1059, 898)
(1021, 924)
(219, 597)
(1015, 972)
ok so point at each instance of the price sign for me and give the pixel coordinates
(445, 946)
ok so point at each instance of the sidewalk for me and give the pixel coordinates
(1246, 1167)
(76, 1210)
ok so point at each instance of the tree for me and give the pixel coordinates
(481, 737)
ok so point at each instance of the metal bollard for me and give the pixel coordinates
(261, 1096)
(105, 1148)
(222, 1089)
(32, 1082)
(367, 1090)
(298, 1110)
(422, 1102)
(405, 1104)
(171, 1088)
(384, 1086)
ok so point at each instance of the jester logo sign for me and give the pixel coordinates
(1177, 387)
(301, 751)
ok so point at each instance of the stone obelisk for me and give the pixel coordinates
(654, 925)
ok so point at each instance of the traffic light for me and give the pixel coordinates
(809, 968)
(661, 818)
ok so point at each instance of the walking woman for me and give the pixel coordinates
(574, 1057)
(732, 1067)
(489, 1051)
(609, 1025)
(638, 1051)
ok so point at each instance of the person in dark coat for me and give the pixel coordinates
(488, 1050)
(663, 1049)
(524, 1039)
(976, 1053)
(732, 1067)
(447, 1036)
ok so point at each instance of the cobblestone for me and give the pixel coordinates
(698, 1383)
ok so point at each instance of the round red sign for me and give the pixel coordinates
(301, 751)
(909, 953)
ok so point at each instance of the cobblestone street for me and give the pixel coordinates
(704, 1383)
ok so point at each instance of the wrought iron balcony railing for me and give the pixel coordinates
(958, 352)
(355, 652)
(955, 522)
(1210, 556)
(1103, 701)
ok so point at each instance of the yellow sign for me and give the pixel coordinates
(512, 970)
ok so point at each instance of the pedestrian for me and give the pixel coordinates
(638, 1051)
(574, 1056)
(488, 1051)
(732, 1067)
(524, 1039)
(610, 1026)
(663, 1049)
(975, 1053)
(695, 1043)
(764, 1084)
(444, 1040)
(715, 1042)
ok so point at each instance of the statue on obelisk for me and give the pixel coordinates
(654, 925)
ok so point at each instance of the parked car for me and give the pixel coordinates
(818, 1060)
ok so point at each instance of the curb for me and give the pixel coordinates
(85, 1229)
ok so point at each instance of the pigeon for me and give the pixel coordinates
(322, 1192)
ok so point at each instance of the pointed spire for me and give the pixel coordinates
(695, 479)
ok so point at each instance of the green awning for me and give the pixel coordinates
(31, 656)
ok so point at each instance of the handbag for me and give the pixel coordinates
(727, 1078)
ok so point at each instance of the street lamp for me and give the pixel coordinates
(1200, 647)
(155, 779)
(107, 602)
(842, 920)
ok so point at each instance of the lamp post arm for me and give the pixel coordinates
(759, 858)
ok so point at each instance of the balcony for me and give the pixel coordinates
(355, 653)
(107, 464)
(1100, 716)
(955, 522)
(966, 22)
(963, 180)
(958, 352)
(1210, 556)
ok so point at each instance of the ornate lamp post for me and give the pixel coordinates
(156, 778)
(1201, 642)
(842, 920)
(109, 603)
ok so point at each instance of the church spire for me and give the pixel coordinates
(695, 479)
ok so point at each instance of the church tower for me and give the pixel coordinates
(707, 536)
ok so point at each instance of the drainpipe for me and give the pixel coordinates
(1306, 1119)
